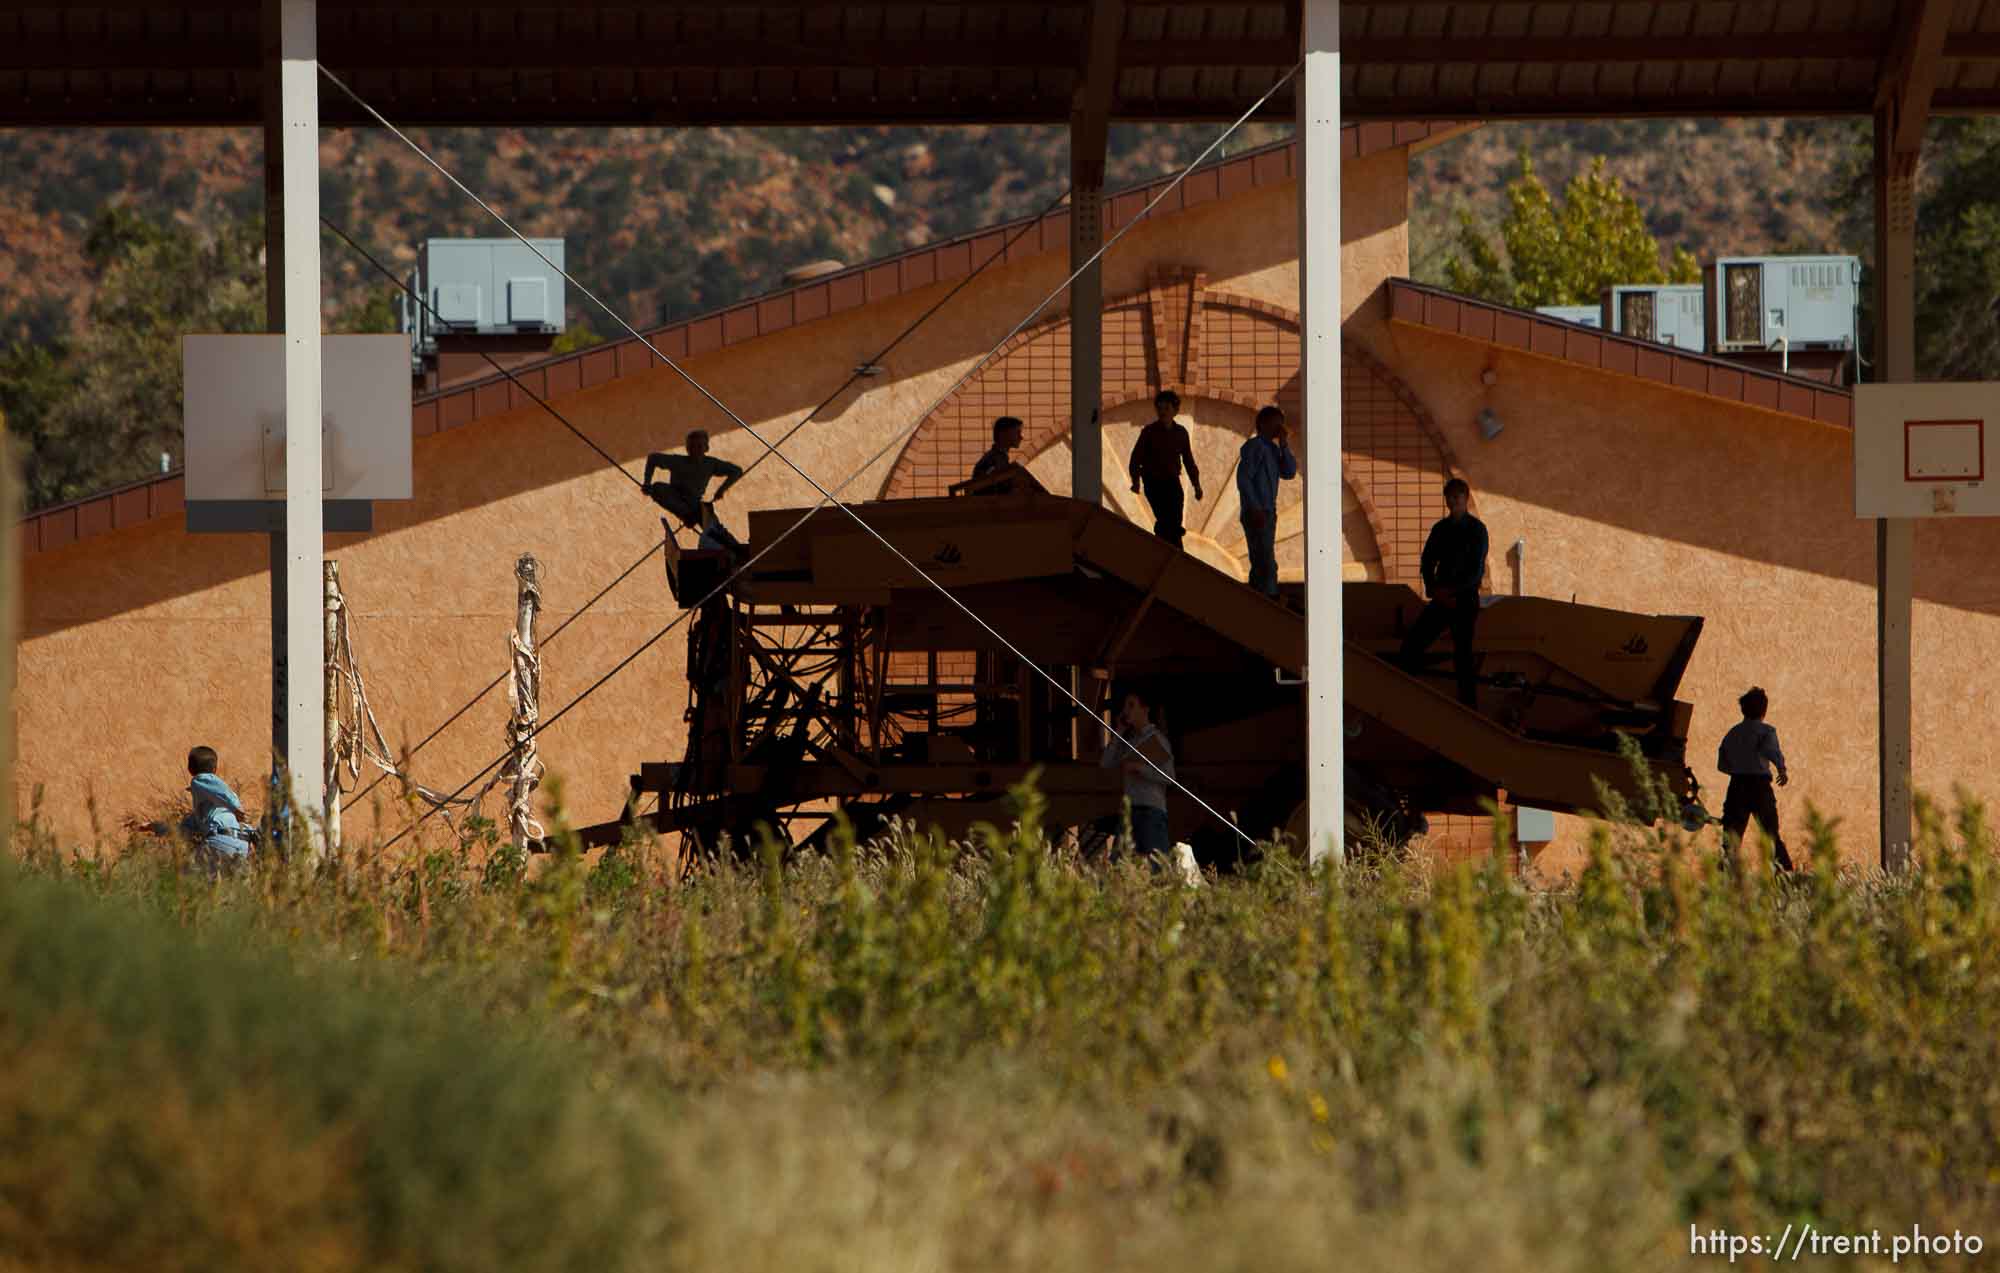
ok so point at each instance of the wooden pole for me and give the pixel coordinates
(524, 768)
(331, 769)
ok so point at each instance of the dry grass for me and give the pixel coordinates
(921, 1056)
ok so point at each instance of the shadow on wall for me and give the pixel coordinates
(774, 378)
(492, 460)
(1677, 468)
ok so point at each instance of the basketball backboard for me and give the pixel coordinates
(233, 396)
(1920, 450)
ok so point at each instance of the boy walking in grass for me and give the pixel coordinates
(1748, 752)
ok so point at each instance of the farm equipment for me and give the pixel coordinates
(832, 676)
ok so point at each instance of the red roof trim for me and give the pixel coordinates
(746, 320)
(1419, 305)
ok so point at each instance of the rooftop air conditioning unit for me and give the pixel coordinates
(1787, 302)
(1582, 315)
(484, 287)
(1668, 313)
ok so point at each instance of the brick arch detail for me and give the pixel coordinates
(1189, 393)
(1219, 393)
(1395, 456)
(923, 462)
(1217, 345)
(1407, 396)
(1160, 337)
(1380, 533)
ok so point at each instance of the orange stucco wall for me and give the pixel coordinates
(1636, 496)
(1624, 493)
(139, 643)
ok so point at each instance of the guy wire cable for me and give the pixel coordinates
(881, 354)
(497, 681)
(828, 496)
(920, 320)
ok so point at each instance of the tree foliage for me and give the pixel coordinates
(1958, 246)
(101, 408)
(663, 223)
(1958, 251)
(1549, 255)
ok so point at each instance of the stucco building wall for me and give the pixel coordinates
(141, 642)
(1637, 496)
(145, 640)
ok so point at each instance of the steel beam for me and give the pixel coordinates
(1904, 89)
(1319, 378)
(1465, 50)
(361, 51)
(1895, 538)
(1909, 72)
(1089, 137)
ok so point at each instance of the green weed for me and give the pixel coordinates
(923, 1054)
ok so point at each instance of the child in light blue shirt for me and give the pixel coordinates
(215, 826)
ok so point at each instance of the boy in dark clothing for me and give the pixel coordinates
(1748, 747)
(1162, 450)
(684, 492)
(999, 459)
(1454, 562)
(1265, 460)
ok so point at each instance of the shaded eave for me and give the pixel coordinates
(605, 62)
(60, 525)
(821, 62)
(1612, 58)
(1501, 327)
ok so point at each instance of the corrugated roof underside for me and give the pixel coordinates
(1617, 57)
(591, 61)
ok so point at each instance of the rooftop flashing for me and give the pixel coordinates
(1420, 305)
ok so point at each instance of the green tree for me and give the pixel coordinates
(34, 380)
(100, 410)
(576, 335)
(378, 311)
(1958, 245)
(1562, 256)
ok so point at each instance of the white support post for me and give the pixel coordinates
(298, 75)
(274, 320)
(1086, 339)
(1319, 378)
(1895, 538)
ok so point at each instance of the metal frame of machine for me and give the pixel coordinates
(832, 675)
